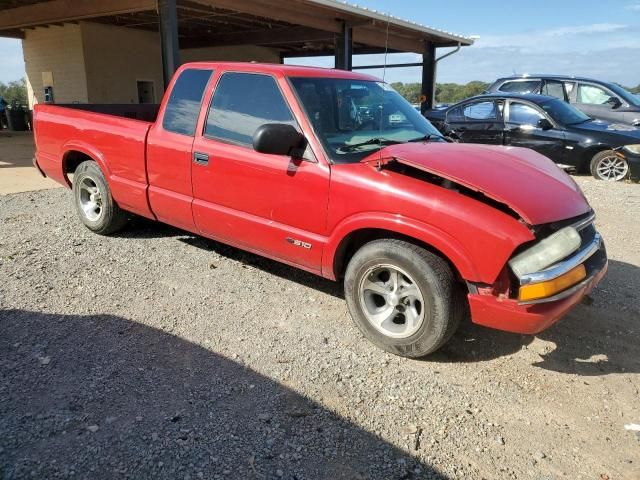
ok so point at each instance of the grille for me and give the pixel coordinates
(588, 233)
(543, 231)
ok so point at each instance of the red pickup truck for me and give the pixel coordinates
(335, 173)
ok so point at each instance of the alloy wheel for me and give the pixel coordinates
(612, 168)
(90, 199)
(391, 301)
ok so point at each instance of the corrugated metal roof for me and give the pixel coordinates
(354, 9)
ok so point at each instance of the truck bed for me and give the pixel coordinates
(67, 134)
(145, 112)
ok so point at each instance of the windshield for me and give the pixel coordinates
(563, 113)
(353, 118)
(626, 96)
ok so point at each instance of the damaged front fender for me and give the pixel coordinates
(477, 237)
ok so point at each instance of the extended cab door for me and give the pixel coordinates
(270, 204)
(169, 146)
(523, 130)
(479, 121)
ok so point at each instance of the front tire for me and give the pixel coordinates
(93, 201)
(607, 165)
(402, 297)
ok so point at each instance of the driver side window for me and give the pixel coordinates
(241, 103)
(523, 114)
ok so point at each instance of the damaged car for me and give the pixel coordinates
(335, 173)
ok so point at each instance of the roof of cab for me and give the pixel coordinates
(280, 69)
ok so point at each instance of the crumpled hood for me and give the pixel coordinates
(529, 183)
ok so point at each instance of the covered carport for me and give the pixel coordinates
(87, 40)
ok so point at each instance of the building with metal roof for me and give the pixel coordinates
(124, 51)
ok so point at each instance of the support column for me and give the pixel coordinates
(168, 13)
(428, 77)
(344, 48)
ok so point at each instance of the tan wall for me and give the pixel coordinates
(57, 49)
(96, 63)
(116, 58)
(245, 53)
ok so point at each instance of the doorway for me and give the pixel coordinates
(146, 91)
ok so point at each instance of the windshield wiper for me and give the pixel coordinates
(372, 141)
(428, 137)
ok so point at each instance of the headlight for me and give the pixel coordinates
(634, 149)
(546, 252)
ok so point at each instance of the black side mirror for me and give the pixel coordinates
(544, 124)
(614, 102)
(279, 139)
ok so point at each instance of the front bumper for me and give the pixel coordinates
(529, 318)
(633, 161)
(634, 164)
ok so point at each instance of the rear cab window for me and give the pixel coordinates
(183, 106)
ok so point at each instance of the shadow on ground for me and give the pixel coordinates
(590, 340)
(104, 397)
(142, 228)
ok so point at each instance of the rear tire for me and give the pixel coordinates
(402, 297)
(606, 165)
(93, 201)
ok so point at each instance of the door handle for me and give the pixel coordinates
(200, 158)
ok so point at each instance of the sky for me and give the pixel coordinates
(592, 38)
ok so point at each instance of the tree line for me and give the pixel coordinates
(14, 91)
(445, 92)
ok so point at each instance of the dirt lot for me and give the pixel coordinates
(156, 354)
(16, 170)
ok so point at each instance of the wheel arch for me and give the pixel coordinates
(76, 153)
(347, 239)
(588, 154)
(358, 238)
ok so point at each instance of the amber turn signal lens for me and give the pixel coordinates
(547, 289)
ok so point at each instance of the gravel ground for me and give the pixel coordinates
(157, 354)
